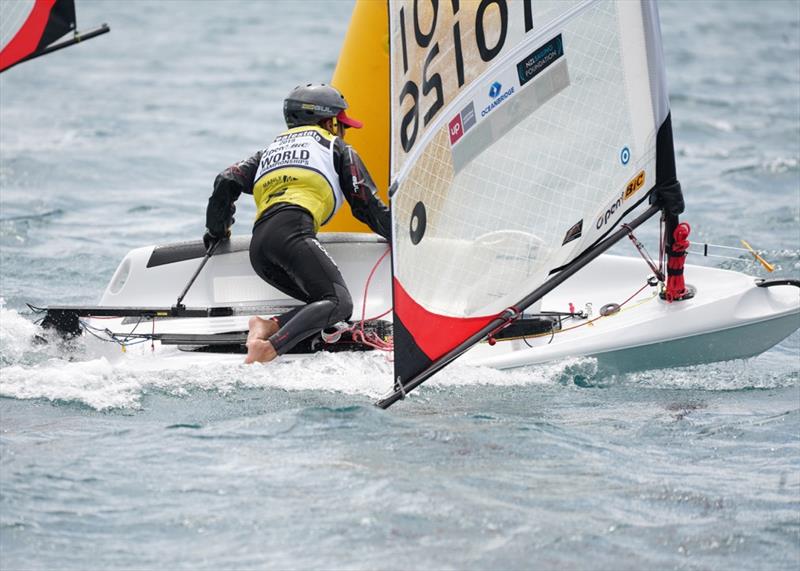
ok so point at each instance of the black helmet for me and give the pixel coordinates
(312, 103)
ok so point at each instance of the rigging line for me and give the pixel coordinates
(621, 305)
(706, 245)
(370, 339)
(589, 322)
(122, 340)
(127, 335)
(643, 252)
(110, 336)
(366, 289)
(553, 329)
(358, 332)
(552, 334)
(634, 294)
(97, 336)
(705, 255)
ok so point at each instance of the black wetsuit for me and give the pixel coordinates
(285, 252)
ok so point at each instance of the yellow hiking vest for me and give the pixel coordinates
(297, 168)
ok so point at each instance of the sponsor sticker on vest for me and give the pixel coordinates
(280, 157)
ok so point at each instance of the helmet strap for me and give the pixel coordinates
(333, 126)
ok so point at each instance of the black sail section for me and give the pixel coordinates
(61, 22)
(665, 154)
(409, 359)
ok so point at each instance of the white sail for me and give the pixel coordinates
(13, 15)
(522, 133)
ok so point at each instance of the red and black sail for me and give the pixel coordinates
(46, 23)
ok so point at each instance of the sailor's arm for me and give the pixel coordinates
(228, 185)
(360, 191)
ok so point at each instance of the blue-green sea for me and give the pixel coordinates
(108, 462)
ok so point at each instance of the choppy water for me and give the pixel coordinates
(113, 461)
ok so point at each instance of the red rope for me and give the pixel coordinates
(676, 285)
(370, 339)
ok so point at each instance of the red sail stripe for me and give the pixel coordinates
(28, 36)
(434, 334)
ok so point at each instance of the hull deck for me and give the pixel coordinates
(728, 318)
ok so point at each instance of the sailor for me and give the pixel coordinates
(299, 182)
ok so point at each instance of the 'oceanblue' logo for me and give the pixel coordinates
(494, 90)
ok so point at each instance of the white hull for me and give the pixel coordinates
(729, 317)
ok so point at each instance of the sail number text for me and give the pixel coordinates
(433, 98)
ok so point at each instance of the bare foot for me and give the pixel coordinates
(261, 328)
(259, 351)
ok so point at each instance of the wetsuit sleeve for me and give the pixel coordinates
(360, 191)
(228, 185)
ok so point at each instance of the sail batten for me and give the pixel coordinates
(553, 137)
